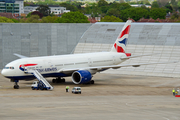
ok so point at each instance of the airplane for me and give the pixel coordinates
(81, 67)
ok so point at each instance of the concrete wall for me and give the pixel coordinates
(144, 38)
(38, 39)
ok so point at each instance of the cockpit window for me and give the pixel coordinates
(8, 67)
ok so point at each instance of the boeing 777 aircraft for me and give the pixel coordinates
(80, 66)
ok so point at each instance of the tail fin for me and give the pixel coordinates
(120, 43)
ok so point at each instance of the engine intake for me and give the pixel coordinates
(81, 76)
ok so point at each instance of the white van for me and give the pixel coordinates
(76, 90)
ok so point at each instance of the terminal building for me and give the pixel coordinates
(12, 6)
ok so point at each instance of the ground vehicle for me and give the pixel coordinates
(38, 85)
(76, 90)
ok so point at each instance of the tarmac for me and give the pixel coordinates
(112, 97)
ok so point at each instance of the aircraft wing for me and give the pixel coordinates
(101, 68)
(20, 56)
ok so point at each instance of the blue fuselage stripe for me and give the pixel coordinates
(31, 77)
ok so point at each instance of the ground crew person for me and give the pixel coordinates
(173, 92)
(67, 88)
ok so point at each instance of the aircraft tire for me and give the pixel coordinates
(16, 86)
(53, 80)
(63, 80)
(92, 81)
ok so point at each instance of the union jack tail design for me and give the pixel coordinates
(121, 41)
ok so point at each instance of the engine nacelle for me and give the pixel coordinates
(81, 76)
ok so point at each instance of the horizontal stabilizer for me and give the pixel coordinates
(138, 56)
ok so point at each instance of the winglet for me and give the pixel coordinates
(20, 56)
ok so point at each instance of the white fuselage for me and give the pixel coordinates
(49, 66)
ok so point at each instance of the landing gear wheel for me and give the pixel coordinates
(16, 86)
(63, 80)
(53, 80)
(58, 80)
(92, 81)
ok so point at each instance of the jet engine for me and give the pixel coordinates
(81, 76)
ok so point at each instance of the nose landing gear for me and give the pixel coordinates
(16, 86)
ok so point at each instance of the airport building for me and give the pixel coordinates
(12, 6)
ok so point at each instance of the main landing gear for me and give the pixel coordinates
(58, 80)
(16, 86)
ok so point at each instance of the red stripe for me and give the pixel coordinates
(128, 54)
(115, 45)
(118, 48)
(25, 65)
(125, 31)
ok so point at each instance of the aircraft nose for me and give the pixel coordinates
(3, 72)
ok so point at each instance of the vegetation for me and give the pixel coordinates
(6, 20)
(134, 13)
(158, 13)
(72, 17)
(116, 11)
(111, 19)
(44, 9)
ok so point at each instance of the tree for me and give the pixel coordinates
(49, 19)
(175, 16)
(5, 20)
(37, 13)
(102, 3)
(69, 7)
(158, 13)
(44, 9)
(121, 1)
(14, 20)
(28, 15)
(162, 3)
(72, 17)
(111, 19)
(174, 5)
(146, 2)
(120, 6)
(104, 9)
(33, 19)
(113, 11)
(168, 8)
(134, 13)
(95, 10)
(155, 5)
